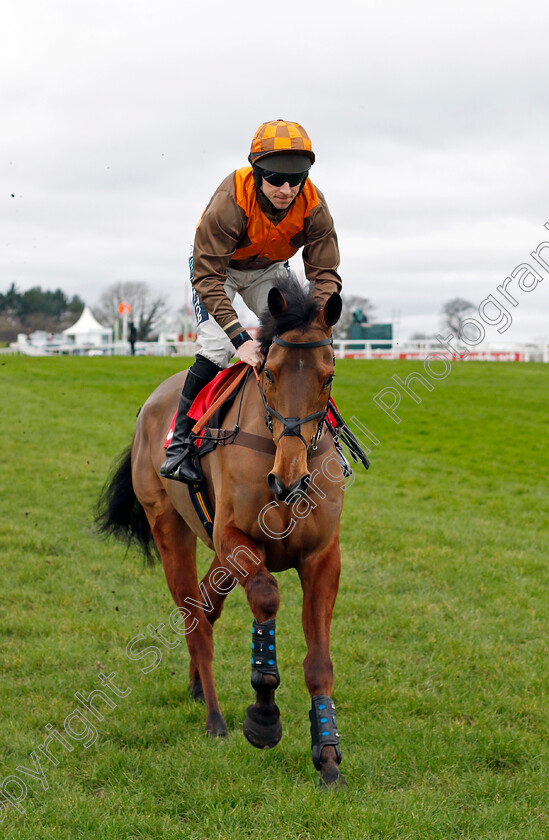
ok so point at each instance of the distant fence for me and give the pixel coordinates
(344, 349)
(117, 348)
(361, 349)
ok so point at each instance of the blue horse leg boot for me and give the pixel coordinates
(264, 652)
(323, 727)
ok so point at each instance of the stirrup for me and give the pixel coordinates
(345, 466)
(343, 434)
(186, 469)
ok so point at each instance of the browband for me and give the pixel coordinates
(305, 345)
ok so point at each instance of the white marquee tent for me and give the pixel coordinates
(88, 330)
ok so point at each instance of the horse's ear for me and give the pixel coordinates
(276, 302)
(332, 310)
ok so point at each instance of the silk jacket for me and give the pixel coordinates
(241, 229)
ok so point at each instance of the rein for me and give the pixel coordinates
(291, 426)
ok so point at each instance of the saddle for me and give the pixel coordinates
(213, 401)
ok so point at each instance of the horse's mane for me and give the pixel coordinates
(302, 309)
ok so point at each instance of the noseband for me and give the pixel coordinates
(291, 426)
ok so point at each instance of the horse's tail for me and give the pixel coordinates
(118, 512)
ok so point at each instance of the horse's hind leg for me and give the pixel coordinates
(214, 592)
(177, 546)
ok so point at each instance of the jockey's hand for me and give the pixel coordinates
(250, 352)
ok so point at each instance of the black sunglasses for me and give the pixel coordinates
(277, 179)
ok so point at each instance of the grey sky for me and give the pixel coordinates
(430, 124)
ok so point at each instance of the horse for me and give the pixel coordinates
(277, 495)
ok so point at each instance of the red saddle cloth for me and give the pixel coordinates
(210, 391)
(207, 395)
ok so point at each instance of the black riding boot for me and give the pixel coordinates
(179, 464)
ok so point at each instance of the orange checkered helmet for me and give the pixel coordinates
(280, 137)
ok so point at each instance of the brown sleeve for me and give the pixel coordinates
(321, 251)
(221, 228)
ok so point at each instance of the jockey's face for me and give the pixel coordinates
(280, 197)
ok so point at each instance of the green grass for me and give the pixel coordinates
(439, 637)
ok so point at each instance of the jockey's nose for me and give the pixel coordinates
(285, 189)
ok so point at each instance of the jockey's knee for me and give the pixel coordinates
(204, 368)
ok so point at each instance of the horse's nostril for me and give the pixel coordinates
(300, 486)
(276, 486)
(281, 492)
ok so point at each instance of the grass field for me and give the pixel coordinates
(440, 634)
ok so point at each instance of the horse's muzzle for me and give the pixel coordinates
(281, 492)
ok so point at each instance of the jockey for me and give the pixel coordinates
(258, 218)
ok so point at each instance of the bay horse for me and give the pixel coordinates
(277, 506)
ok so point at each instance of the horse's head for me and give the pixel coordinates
(295, 380)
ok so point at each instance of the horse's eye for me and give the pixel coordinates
(328, 381)
(269, 376)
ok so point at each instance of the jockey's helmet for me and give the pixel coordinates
(282, 146)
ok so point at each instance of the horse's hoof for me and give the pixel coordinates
(262, 727)
(216, 726)
(195, 690)
(331, 779)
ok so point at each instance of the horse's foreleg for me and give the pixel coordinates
(319, 576)
(177, 546)
(262, 726)
(241, 557)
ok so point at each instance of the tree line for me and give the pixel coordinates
(148, 310)
(53, 311)
(36, 309)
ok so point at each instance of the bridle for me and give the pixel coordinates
(291, 426)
